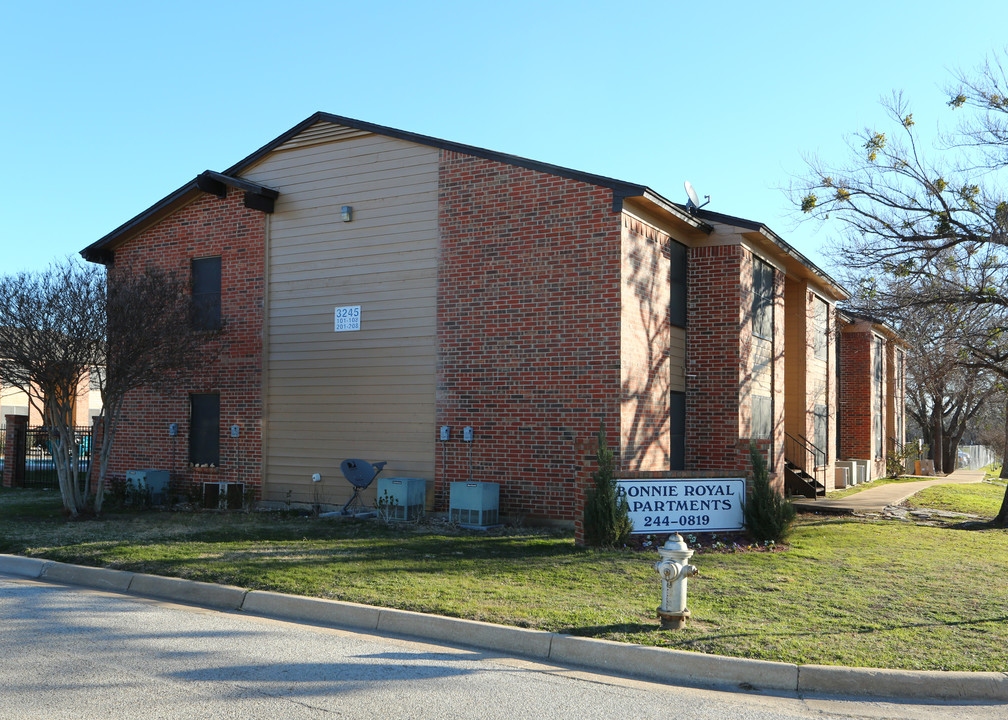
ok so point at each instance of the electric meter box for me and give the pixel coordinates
(155, 481)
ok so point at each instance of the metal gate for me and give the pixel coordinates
(39, 468)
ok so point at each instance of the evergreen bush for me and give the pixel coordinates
(606, 512)
(768, 514)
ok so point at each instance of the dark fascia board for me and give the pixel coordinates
(100, 251)
(238, 184)
(766, 232)
(852, 316)
(620, 188)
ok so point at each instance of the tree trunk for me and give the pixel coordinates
(937, 441)
(1002, 517)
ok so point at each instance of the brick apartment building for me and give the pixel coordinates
(374, 285)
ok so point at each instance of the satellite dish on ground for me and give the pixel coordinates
(693, 203)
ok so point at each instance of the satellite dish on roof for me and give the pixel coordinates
(693, 203)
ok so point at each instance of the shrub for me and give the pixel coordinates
(606, 512)
(896, 459)
(768, 514)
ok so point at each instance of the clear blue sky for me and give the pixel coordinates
(107, 107)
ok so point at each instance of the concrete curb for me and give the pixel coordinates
(315, 610)
(667, 665)
(101, 578)
(224, 597)
(653, 663)
(22, 566)
(503, 638)
(903, 683)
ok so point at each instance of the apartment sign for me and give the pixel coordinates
(684, 504)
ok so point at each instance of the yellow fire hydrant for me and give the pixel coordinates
(674, 570)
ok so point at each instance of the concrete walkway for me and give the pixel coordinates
(877, 499)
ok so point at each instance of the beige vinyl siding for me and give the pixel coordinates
(796, 344)
(365, 394)
(677, 359)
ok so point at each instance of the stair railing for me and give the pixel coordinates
(806, 457)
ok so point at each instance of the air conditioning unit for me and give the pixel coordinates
(401, 497)
(862, 471)
(154, 481)
(474, 504)
(223, 495)
(850, 472)
(840, 477)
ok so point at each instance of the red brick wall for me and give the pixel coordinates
(855, 395)
(209, 226)
(528, 332)
(718, 372)
(714, 366)
(644, 348)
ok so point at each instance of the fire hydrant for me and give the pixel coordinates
(674, 570)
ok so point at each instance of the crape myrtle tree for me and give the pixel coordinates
(126, 329)
(50, 338)
(935, 221)
(150, 342)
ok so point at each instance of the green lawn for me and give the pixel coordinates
(845, 591)
(983, 499)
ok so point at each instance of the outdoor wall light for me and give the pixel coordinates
(347, 213)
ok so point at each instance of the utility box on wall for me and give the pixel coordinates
(154, 481)
(474, 504)
(404, 497)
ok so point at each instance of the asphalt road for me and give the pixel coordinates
(69, 652)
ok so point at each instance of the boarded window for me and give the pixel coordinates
(762, 417)
(677, 284)
(763, 296)
(677, 431)
(821, 328)
(206, 293)
(820, 417)
(204, 435)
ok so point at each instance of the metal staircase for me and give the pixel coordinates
(802, 467)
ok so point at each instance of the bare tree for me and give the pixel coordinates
(51, 325)
(150, 342)
(127, 329)
(935, 223)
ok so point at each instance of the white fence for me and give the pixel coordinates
(979, 456)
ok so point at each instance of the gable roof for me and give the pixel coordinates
(100, 250)
(757, 228)
(260, 197)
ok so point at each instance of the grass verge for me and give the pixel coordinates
(982, 499)
(845, 591)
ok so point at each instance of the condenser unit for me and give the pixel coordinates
(223, 495)
(401, 498)
(153, 481)
(850, 471)
(474, 504)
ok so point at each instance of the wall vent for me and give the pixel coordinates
(223, 495)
